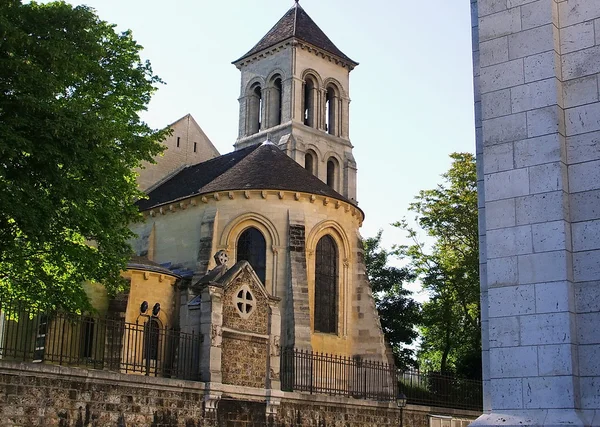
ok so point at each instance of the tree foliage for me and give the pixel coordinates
(449, 270)
(70, 136)
(398, 312)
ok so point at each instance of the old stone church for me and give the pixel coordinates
(284, 200)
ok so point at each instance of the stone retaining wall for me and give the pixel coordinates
(46, 395)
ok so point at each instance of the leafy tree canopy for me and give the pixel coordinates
(398, 312)
(70, 136)
(449, 270)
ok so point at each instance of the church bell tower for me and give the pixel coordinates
(295, 92)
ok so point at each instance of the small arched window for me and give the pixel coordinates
(309, 162)
(309, 102)
(326, 278)
(332, 172)
(330, 111)
(254, 110)
(252, 247)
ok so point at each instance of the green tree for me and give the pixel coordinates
(70, 137)
(398, 312)
(449, 270)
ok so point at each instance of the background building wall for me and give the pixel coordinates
(537, 116)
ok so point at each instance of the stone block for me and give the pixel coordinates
(554, 297)
(583, 148)
(584, 176)
(538, 94)
(494, 51)
(511, 241)
(575, 11)
(502, 76)
(580, 91)
(589, 390)
(586, 236)
(544, 267)
(557, 359)
(589, 360)
(511, 301)
(587, 328)
(587, 297)
(585, 118)
(499, 158)
(538, 13)
(491, 6)
(581, 63)
(539, 150)
(585, 206)
(548, 392)
(577, 37)
(547, 177)
(504, 129)
(548, 328)
(543, 121)
(541, 207)
(515, 3)
(551, 236)
(513, 362)
(502, 272)
(503, 185)
(586, 267)
(542, 66)
(503, 332)
(501, 214)
(499, 24)
(531, 42)
(507, 393)
(496, 104)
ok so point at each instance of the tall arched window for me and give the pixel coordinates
(254, 110)
(332, 172)
(309, 162)
(309, 102)
(275, 101)
(326, 278)
(252, 247)
(330, 111)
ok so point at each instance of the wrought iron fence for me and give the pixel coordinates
(143, 348)
(321, 373)
(444, 390)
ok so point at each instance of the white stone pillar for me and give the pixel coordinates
(537, 66)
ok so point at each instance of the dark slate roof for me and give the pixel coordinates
(257, 167)
(144, 264)
(296, 23)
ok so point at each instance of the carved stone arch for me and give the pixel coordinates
(329, 154)
(313, 147)
(255, 81)
(313, 73)
(273, 74)
(237, 225)
(233, 230)
(330, 81)
(336, 231)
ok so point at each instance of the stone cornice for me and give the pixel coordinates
(294, 42)
(274, 196)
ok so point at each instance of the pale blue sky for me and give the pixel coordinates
(412, 95)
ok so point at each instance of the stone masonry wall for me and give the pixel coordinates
(244, 360)
(45, 395)
(258, 321)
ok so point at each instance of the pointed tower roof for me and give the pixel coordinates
(297, 24)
